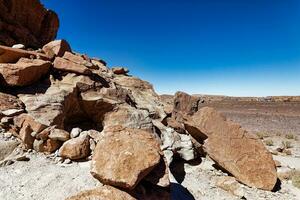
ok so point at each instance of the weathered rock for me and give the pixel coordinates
(6, 148)
(125, 156)
(59, 134)
(24, 72)
(48, 146)
(179, 144)
(28, 125)
(36, 29)
(229, 184)
(12, 55)
(240, 153)
(69, 66)
(56, 48)
(79, 59)
(159, 175)
(143, 94)
(128, 117)
(184, 104)
(76, 148)
(120, 70)
(9, 102)
(105, 192)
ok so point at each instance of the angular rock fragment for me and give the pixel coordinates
(56, 48)
(76, 148)
(69, 66)
(24, 72)
(229, 184)
(59, 135)
(125, 156)
(48, 145)
(9, 102)
(240, 153)
(6, 148)
(105, 192)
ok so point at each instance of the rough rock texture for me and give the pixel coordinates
(124, 156)
(12, 55)
(36, 29)
(8, 102)
(56, 48)
(105, 192)
(143, 94)
(59, 134)
(69, 66)
(184, 104)
(229, 184)
(6, 148)
(24, 72)
(234, 149)
(128, 117)
(49, 145)
(76, 148)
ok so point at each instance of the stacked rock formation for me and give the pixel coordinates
(58, 101)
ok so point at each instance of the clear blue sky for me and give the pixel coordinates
(229, 47)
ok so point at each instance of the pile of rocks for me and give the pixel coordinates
(58, 101)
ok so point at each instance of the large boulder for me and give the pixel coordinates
(240, 153)
(69, 66)
(105, 192)
(39, 27)
(125, 156)
(56, 48)
(24, 72)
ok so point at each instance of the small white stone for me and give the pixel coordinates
(75, 132)
(18, 46)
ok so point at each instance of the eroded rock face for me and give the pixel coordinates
(8, 102)
(24, 72)
(124, 156)
(143, 94)
(234, 149)
(128, 117)
(56, 48)
(69, 66)
(36, 29)
(105, 192)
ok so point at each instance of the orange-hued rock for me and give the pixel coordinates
(48, 146)
(120, 70)
(8, 102)
(24, 72)
(12, 55)
(69, 66)
(56, 48)
(27, 22)
(76, 148)
(125, 156)
(240, 153)
(105, 192)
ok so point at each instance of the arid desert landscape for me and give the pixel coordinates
(75, 128)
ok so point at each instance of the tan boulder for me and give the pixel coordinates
(24, 72)
(56, 48)
(12, 55)
(59, 135)
(76, 148)
(240, 153)
(102, 193)
(69, 66)
(125, 156)
(36, 29)
(80, 59)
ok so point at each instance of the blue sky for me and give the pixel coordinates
(227, 47)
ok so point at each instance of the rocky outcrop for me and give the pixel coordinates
(240, 153)
(105, 192)
(36, 29)
(124, 156)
